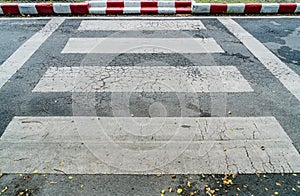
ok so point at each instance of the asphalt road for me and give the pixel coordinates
(195, 97)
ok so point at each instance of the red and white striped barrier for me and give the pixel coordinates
(146, 7)
(44, 8)
(247, 8)
(140, 7)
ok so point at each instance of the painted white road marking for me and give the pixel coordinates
(280, 70)
(142, 45)
(220, 145)
(26, 50)
(119, 25)
(143, 79)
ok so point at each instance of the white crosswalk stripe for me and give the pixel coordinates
(214, 145)
(135, 25)
(143, 79)
(142, 45)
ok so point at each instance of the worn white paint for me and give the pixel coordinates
(143, 79)
(26, 50)
(120, 25)
(280, 70)
(91, 145)
(142, 45)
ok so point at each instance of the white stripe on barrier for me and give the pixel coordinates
(237, 8)
(123, 25)
(107, 145)
(269, 8)
(99, 4)
(1, 11)
(62, 8)
(297, 8)
(97, 10)
(201, 8)
(131, 10)
(27, 8)
(170, 4)
(166, 10)
(132, 4)
(143, 79)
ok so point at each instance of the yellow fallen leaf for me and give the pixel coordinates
(35, 172)
(70, 177)
(162, 194)
(294, 174)
(228, 182)
(294, 189)
(4, 189)
(20, 175)
(21, 193)
(81, 186)
(1, 175)
(170, 189)
(179, 191)
(189, 184)
(266, 189)
(53, 182)
(278, 184)
(163, 191)
(45, 175)
(62, 163)
(238, 189)
(276, 193)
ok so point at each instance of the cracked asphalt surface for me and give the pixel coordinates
(269, 98)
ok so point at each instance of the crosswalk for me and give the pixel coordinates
(91, 144)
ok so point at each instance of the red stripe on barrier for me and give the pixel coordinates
(79, 8)
(149, 4)
(149, 10)
(114, 7)
(114, 10)
(252, 8)
(10, 8)
(287, 8)
(44, 8)
(183, 10)
(183, 3)
(218, 8)
(119, 4)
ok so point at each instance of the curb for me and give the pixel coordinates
(44, 8)
(107, 7)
